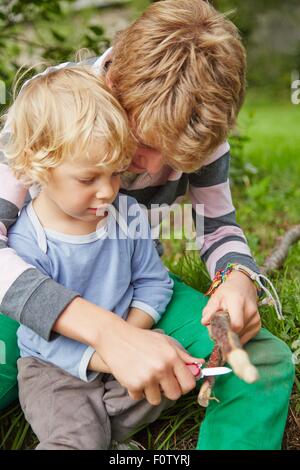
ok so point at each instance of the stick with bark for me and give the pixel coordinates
(277, 257)
(227, 349)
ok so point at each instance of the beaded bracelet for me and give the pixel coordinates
(223, 274)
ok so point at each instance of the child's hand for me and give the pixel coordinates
(147, 363)
(237, 295)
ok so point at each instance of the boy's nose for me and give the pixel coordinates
(105, 192)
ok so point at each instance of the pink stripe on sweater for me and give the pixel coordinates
(10, 188)
(223, 250)
(221, 232)
(221, 150)
(216, 199)
(11, 268)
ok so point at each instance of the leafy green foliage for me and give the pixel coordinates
(43, 31)
(270, 31)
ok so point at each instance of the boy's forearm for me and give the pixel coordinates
(140, 319)
(85, 322)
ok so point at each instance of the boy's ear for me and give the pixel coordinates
(107, 63)
(108, 80)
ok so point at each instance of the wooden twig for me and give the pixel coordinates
(227, 349)
(215, 360)
(277, 257)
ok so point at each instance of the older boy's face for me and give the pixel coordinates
(146, 159)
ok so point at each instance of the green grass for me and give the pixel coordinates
(267, 203)
(271, 203)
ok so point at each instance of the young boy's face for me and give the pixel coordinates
(82, 191)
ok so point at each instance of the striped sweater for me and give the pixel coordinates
(36, 301)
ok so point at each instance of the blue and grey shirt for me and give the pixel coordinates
(116, 267)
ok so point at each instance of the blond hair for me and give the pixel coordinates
(179, 72)
(58, 115)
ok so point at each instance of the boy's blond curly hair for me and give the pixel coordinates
(60, 114)
(179, 72)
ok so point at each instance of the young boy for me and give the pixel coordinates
(179, 73)
(70, 138)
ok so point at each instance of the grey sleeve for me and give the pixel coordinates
(36, 301)
(33, 299)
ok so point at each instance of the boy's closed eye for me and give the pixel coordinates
(86, 181)
(93, 179)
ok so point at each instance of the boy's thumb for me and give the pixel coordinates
(188, 359)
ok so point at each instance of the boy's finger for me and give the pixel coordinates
(185, 377)
(212, 306)
(250, 330)
(236, 312)
(152, 394)
(171, 386)
(136, 395)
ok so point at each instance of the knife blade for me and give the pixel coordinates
(198, 372)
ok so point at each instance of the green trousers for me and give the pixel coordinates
(9, 354)
(246, 416)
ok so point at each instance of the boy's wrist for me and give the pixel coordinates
(97, 364)
(140, 319)
(230, 270)
(101, 328)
